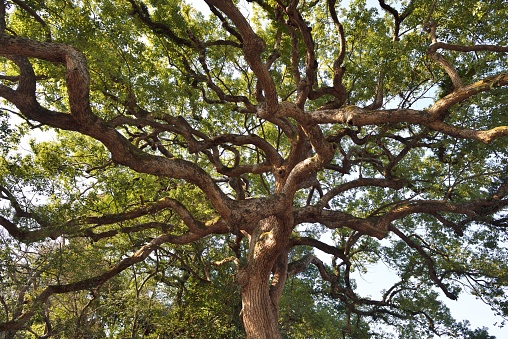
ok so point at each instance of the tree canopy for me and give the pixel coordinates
(166, 173)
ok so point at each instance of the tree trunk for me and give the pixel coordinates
(258, 311)
(262, 278)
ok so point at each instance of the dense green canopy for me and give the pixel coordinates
(167, 172)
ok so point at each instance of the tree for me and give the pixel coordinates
(189, 146)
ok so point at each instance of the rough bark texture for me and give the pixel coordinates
(262, 278)
(259, 313)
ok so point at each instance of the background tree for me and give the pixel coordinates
(197, 162)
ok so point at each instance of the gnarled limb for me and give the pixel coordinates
(398, 18)
(252, 48)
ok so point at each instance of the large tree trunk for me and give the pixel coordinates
(258, 311)
(262, 278)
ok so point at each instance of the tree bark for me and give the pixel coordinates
(259, 314)
(263, 277)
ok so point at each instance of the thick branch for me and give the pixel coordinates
(466, 92)
(24, 235)
(83, 120)
(465, 133)
(303, 87)
(379, 226)
(338, 90)
(398, 18)
(473, 210)
(306, 241)
(253, 47)
(77, 77)
(353, 115)
(447, 66)
(299, 265)
(225, 24)
(337, 219)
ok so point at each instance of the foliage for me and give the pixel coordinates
(177, 169)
